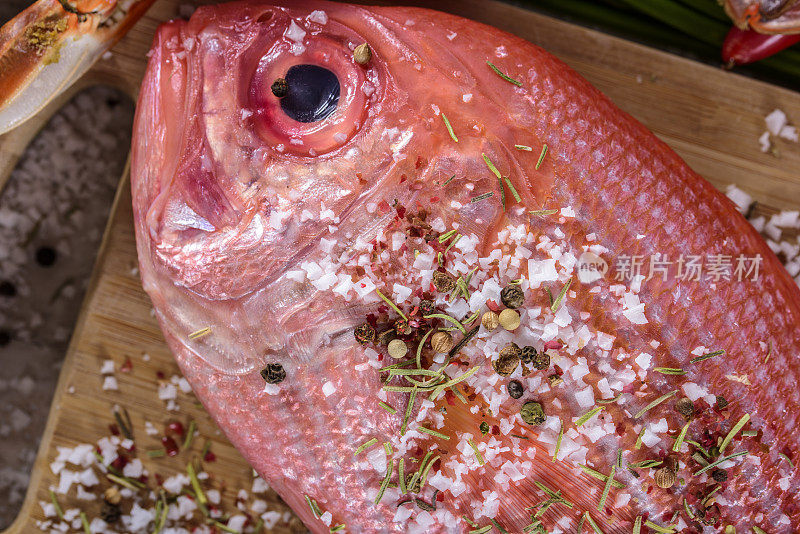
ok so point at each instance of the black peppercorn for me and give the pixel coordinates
(507, 361)
(273, 373)
(280, 88)
(402, 327)
(7, 289)
(484, 426)
(46, 256)
(719, 475)
(110, 513)
(364, 333)
(685, 407)
(512, 296)
(538, 360)
(722, 403)
(515, 389)
(443, 282)
(427, 307)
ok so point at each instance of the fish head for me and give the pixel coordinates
(266, 134)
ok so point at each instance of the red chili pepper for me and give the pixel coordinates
(747, 46)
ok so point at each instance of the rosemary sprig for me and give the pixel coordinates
(588, 415)
(499, 179)
(558, 441)
(735, 430)
(401, 475)
(678, 442)
(197, 334)
(385, 483)
(409, 408)
(609, 401)
(502, 75)
(594, 526)
(723, 459)
(655, 403)
(688, 510)
(478, 454)
(387, 407)
(196, 483)
(337, 528)
(446, 317)
(646, 464)
(607, 488)
(59, 511)
(541, 156)
(563, 293)
(600, 476)
(189, 435)
(637, 525)
(513, 190)
(433, 433)
(669, 370)
(391, 304)
(542, 213)
(156, 453)
(314, 507)
(707, 356)
(659, 528)
(523, 147)
(364, 446)
(449, 128)
(85, 523)
(785, 457)
(638, 443)
(481, 197)
(498, 527)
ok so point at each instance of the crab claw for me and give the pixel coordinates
(47, 47)
(765, 16)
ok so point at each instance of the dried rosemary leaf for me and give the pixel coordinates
(655, 403)
(449, 128)
(502, 75)
(735, 430)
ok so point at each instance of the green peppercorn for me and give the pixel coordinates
(512, 296)
(364, 333)
(685, 407)
(273, 373)
(515, 389)
(532, 413)
(484, 426)
(722, 403)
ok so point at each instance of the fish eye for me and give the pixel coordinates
(308, 93)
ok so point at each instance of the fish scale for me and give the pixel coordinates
(620, 181)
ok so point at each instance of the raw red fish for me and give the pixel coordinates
(265, 240)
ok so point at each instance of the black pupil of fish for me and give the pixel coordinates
(313, 93)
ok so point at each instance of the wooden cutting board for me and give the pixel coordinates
(711, 117)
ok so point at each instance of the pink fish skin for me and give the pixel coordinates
(234, 201)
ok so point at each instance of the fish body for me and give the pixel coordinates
(456, 148)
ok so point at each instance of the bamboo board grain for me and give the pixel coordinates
(711, 117)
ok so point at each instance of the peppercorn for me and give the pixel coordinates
(554, 380)
(532, 413)
(508, 360)
(397, 348)
(515, 389)
(509, 319)
(512, 296)
(719, 475)
(112, 495)
(490, 320)
(364, 333)
(722, 403)
(427, 307)
(46, 256)
(685, 407)
(110, 513)
(443, 282)
(280, 87)
(273, 373)
(7, 289)
(484, 426)
(362, 54)
(665, 477)
(402, 327)
(386, 336)
(442, 342)
(538, 360)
